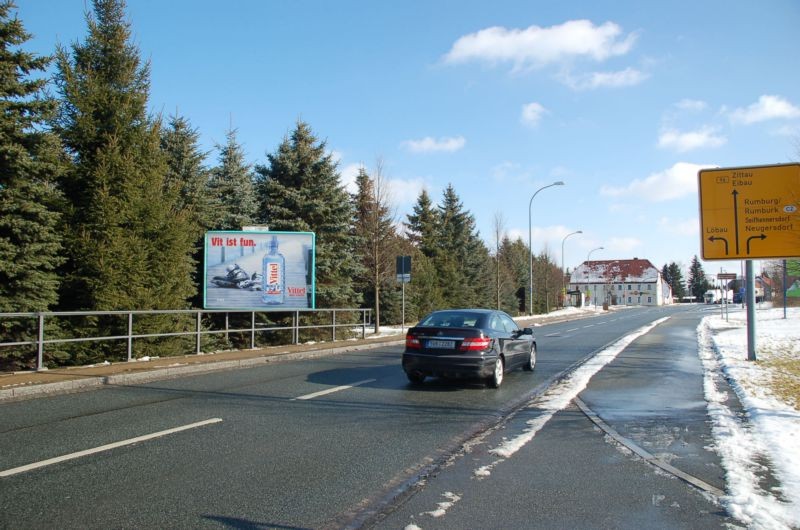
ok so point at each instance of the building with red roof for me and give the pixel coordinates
(618, 282)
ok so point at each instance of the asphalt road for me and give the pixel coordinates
(345, 441)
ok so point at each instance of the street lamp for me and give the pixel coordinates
(589, 256)
(562, 258)
(588, 261)
(530, 240)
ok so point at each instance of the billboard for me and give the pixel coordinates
(256, 270)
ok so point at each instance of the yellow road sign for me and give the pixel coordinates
(750, 212)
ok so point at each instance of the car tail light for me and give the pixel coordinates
(475, 344)
(412, 342)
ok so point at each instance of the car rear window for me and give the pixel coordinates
(451, 319)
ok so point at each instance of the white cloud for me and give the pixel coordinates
(535, 47)
(621, 245)
(687, 141)
(591, 81)
(673, 183)
(787, 130)
(516, 233)
(505, 171)
(685, 227)
(691, 105)
(405, 192)
(766, 108)
(347, 176)
(532, 114)
(433, 145)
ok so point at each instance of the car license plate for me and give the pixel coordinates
(442, 344)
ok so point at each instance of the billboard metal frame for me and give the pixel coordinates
(236, 263)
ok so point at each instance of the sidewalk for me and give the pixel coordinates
(24, 385)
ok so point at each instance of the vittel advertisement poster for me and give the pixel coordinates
(260, 271)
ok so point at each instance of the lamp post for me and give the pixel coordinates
(530, 241)
(588, 261)
(563, 289)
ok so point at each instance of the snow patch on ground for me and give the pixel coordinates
(536, 320)
(770, 432)
(559, 396)
(443, 506)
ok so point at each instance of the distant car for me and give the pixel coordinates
(478, 343)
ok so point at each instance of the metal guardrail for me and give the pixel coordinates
(198, 332)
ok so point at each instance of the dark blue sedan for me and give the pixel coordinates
(476, 343)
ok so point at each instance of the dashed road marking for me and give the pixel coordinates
(332, 390)
(102, 448)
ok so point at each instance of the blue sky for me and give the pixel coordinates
(623, 101)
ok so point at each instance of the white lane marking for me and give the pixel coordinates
(107, 447)
(556, 334)
(573, 329)
(589, 326)
(332, 390)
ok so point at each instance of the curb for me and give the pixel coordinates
(93, 382)
(173, 372)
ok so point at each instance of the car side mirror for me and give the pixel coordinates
(527, 331)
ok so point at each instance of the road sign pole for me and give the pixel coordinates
(750, 294)
(785, 289)
(403, 316)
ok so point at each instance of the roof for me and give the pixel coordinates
(617, 270)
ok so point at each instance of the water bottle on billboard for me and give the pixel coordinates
(273, 275)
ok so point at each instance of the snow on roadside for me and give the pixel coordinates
(561, 395)
(771, 429)
(536, 320)
(555, 399)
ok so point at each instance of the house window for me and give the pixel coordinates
(629, 299)
(649, 287)
(649, 299)
(630, 287)
(619, 287)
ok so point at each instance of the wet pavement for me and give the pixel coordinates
(571, 474)
(653, 394)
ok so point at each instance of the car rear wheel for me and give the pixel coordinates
(531, 364)
(416, 378)
(496, 379)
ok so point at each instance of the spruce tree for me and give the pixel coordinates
(300, 190)
(516, 259)
(128, 246)
(422, 225)
(186, 171)
(674, 277)
(231, 187)
(547, 282)
(187, 174)
(423, 293)
(375, 237)
(463, 260)
(698, 284)
(30, 242)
